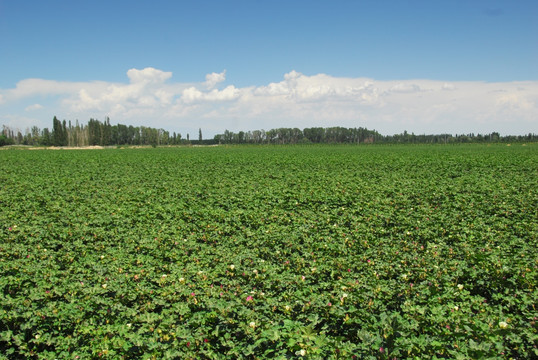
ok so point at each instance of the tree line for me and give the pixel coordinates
(315, 135)
(95, 132)
(342, 135)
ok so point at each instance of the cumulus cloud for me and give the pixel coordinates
(296, 100)
(405, 88)
(33, 107)
(211, 80)
(148, 75)
(192, 95)
(301, 88)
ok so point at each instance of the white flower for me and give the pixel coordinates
(404, 276)
(104, 286)
(129, 325)
(503, 324)
(456, 308)
(181, 280)
(301, 352)
(252, 324)
(163, 276)
(460, 286)
(287, 307)
(232, 266)
(102, 256)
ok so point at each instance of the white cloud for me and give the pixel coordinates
(405, 88)
(298, 87)
(515, 102)
(227, 94)
(151, 98)
(33, 107)
(148, 75)
(192, 95)
(32, 87)
(211, 80)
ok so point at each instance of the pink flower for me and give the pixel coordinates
(368, 260)
(381, 350)
(249, 298)
(329, 304)
(193, 294)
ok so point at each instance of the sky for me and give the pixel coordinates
(425, 67)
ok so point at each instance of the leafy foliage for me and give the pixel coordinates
(269, 252)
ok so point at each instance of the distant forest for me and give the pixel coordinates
(103, 133)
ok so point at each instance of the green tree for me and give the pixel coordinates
(46, 139)
(59, 132)
(4, 140)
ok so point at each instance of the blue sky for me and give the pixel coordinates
(420, 66)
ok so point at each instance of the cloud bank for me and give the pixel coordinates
(151, 98)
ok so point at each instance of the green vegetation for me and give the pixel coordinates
(315, 252)
(105, 134)
(93, 133)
